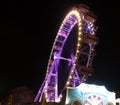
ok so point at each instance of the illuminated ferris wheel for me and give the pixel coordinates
(72, 53)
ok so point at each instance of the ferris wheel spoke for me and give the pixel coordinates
(62, 58)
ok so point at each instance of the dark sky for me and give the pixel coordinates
(27, 32)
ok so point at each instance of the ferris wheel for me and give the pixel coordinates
(72, 54)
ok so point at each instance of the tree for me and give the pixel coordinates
(19, 95)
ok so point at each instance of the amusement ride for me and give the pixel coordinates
(72, 54)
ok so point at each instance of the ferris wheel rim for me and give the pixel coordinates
(78, 16)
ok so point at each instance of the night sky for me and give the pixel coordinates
(27, 32)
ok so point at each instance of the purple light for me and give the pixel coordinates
(89, 27)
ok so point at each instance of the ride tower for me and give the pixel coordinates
(70, 61)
